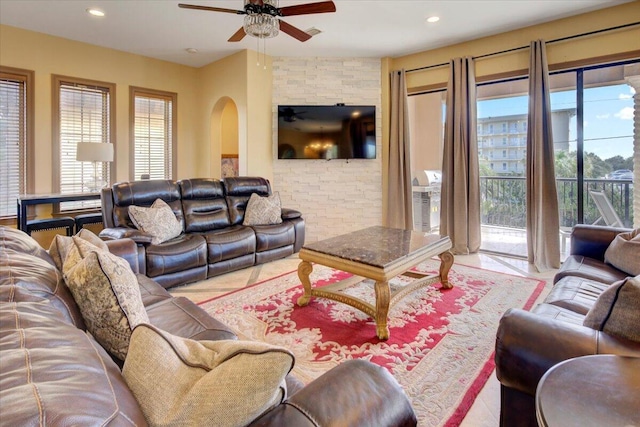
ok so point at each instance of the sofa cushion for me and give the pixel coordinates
(56, 374)
(270, 237)
(19, 241)
(589, 268)
(25, 277)
(179, 381)
(180, 316)
(204, 204)
(107, 292)
(616, 311)
(182, 253)
(229, 243)
(263, 210)
(624, 252)
(158, 220)
(558, 313)
(575, 294)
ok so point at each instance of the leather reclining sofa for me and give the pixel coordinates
(211, 212)
(528, 344)
(54, 373)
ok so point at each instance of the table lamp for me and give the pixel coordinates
(95, 153)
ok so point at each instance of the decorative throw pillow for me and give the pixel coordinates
(182, 382)
(107, 292)
(158, 220)
(60, 245)
(263, 210)
(616, 311)
(624, 252)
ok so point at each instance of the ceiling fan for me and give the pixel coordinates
(261, 17)
(289, 115)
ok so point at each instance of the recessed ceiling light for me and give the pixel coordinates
(191, 50)
(433, 19)
(95, 12)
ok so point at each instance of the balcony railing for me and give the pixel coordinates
(503, 200)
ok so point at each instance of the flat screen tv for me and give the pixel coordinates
(326, 132)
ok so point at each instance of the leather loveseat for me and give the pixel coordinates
(529, 343)
(54, 373)
(211, 212)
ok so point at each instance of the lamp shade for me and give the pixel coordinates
(94, 152)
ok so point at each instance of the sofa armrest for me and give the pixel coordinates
(592, 240)
(528, 344)
(355, 393)
(127, 249)
(290, 213)
(126, 233)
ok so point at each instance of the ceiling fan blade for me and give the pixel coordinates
(294, 32)
(238, 35)
(210, 9)
(309, 8)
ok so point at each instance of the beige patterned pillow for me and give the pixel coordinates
(158, 220)
(616, 311)
(624, 252)
(107, 292)
(182, 382)
(60, 245)
(263, 210)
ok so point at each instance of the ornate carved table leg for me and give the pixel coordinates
(383, 297)
(304, 270)
(446, 261)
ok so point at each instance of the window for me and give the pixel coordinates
(83, 111)
(16, 137)
(153, 136)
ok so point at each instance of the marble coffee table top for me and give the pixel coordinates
(377, 246)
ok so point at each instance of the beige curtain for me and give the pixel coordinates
(460, 198)
(400, 213)
(543, 223)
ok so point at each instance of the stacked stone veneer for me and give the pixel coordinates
(336, 196)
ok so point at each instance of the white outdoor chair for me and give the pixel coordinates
(607, 212)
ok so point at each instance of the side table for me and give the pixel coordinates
(598, 390)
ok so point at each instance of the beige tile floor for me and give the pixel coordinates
(485, 411)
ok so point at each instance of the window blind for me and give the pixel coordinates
(153, 136)
(13, 142)
(84, 117)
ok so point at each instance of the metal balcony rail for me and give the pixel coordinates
(503, 200)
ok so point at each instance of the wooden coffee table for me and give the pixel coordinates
(380, 254)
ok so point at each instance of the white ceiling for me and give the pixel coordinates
(359, 28)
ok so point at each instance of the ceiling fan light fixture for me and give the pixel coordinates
(261, 26)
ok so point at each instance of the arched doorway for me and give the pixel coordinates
(224, 138)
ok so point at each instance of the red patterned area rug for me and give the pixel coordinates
(441, 341)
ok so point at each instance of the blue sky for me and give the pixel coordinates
(608, 117)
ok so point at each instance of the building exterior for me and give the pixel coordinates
(502, 140)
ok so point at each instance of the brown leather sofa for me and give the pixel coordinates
(214, 240)
(529, 343)
(53, 373)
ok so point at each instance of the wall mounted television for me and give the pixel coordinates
(326, 132)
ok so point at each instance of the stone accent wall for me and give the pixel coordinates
(336, 196)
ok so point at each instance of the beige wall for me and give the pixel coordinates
(259, 145)
(47, 55)
(229, 125)
(604, 44)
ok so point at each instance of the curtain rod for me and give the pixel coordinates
(633, 24)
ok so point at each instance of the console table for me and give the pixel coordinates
(26, 200)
